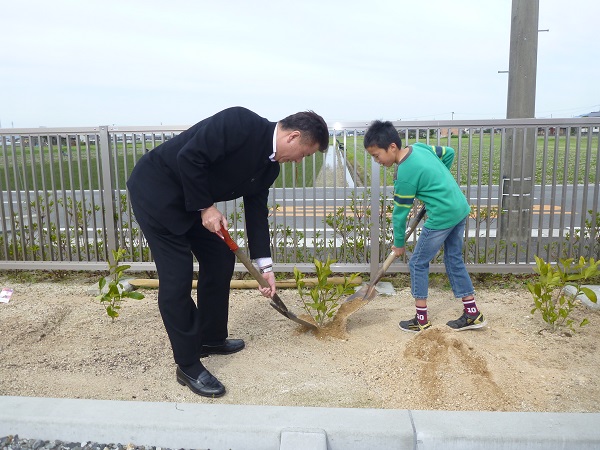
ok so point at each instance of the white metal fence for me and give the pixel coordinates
(534, 187)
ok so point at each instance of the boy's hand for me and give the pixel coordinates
(399, 251)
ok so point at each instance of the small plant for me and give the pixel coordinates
(549, 294)
(322, 302)
(115, 293)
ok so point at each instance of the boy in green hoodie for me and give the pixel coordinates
(424, 173)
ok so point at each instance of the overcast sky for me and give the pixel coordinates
(128, 62)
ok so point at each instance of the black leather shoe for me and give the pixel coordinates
(206, 384)
(227, 347)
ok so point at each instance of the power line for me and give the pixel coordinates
(579, 108)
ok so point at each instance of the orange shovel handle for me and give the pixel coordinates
(227, 238)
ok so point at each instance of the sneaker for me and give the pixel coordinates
(413, 325)
(466, 322)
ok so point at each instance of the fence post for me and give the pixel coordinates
(108, 191)
(374, 232)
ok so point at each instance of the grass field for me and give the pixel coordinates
(482, 165)
(72, 168)
(300, 174)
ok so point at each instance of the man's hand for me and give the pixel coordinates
(270, 291)
(399, 251)
(212, 219)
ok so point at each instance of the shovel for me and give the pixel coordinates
(368, 292)
(276, 302)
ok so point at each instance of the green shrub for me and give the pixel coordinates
(321, 301)
(115, 293)
(554, 303)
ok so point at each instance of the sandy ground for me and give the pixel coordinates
(57, 341)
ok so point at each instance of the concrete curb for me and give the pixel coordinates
(185, 425)
(584, 298)
(465, 430)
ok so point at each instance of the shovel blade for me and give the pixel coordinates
(371, 294)
(292, 316)
(367, 292)
(358, 294)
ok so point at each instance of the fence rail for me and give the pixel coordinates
(533, 186)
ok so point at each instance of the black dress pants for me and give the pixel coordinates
(190, 324)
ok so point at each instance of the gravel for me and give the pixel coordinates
(18, 443)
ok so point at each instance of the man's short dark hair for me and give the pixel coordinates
(382, 134)
(312, 126)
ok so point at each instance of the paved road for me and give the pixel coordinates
(308, 208)
(557, 201)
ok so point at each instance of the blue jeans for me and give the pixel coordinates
(428, 244)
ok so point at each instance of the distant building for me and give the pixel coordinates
(591, 114)
(453, 132)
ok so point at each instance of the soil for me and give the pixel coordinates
(57, 341)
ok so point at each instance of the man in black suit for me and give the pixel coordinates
(173, 189)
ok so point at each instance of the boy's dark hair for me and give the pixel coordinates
(382, 134)
(311, 125)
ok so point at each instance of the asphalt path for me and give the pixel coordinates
(306, 209)
(553, 206)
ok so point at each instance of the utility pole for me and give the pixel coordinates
(519, 147)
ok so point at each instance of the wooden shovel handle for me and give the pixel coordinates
(243, 258)
(392, 256)
(275, 302)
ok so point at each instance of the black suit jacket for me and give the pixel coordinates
(221, 158)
